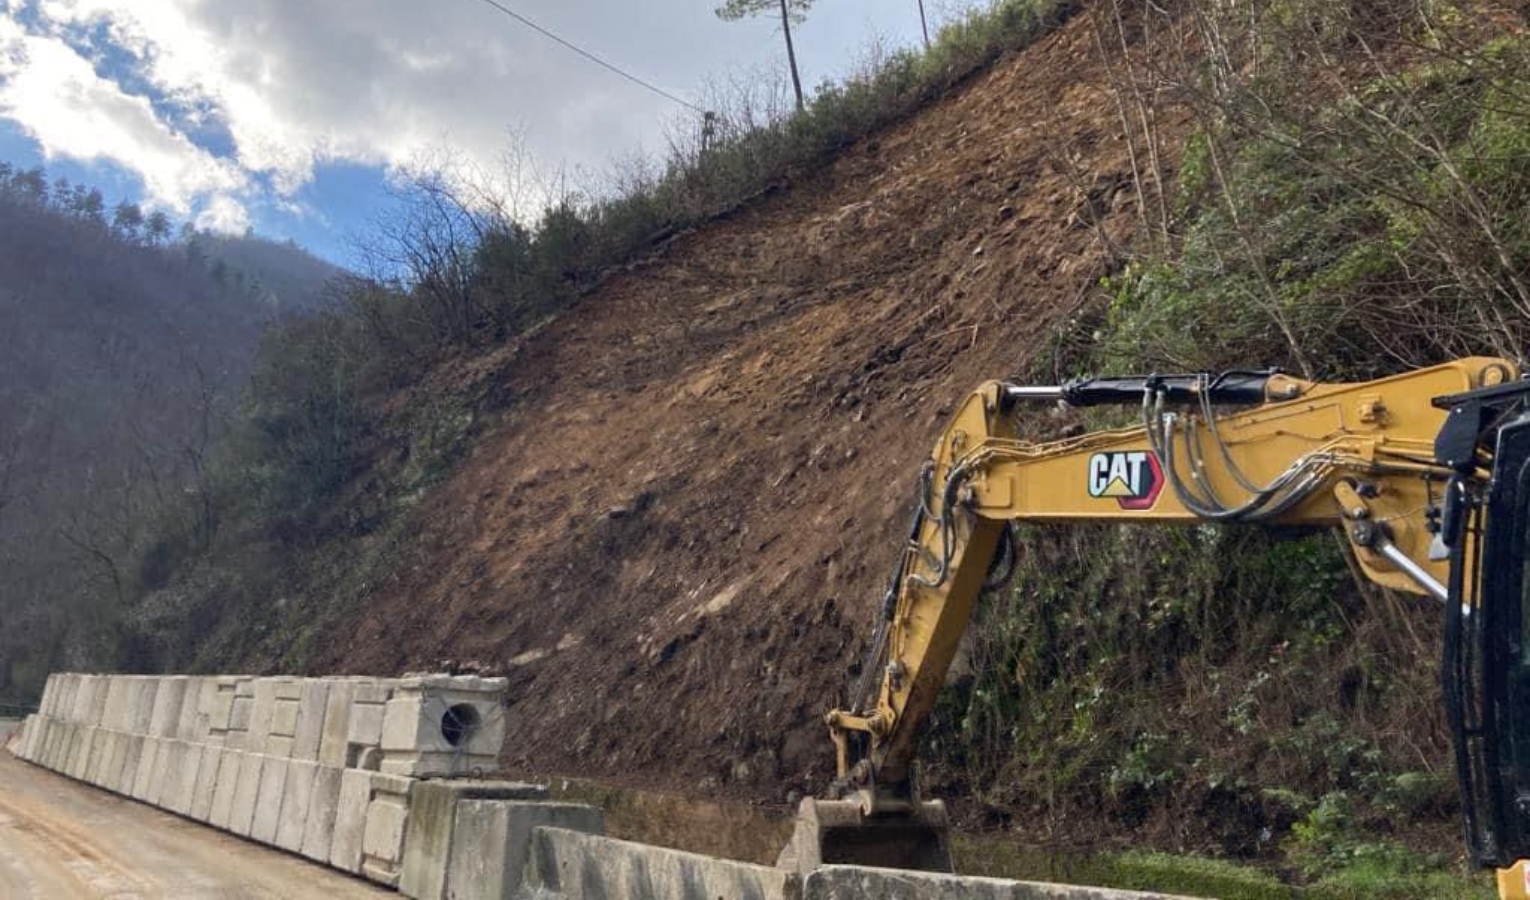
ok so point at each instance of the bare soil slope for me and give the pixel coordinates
(675, 542)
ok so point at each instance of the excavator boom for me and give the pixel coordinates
(1406, 465)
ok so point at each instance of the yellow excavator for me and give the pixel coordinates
(1427, 472)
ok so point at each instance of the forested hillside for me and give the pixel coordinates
(124, 346)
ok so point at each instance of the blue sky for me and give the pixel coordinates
(290, 116)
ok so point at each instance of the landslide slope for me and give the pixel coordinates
(675, 542)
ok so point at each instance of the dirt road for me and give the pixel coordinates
(61, 840)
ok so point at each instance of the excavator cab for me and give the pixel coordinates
(1487, 641)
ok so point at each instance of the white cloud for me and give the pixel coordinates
(289, 85)
(358, 81)
(60, 101)
(223, 214)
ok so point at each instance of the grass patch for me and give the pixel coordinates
(998, 856)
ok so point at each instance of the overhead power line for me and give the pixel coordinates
(592, 57)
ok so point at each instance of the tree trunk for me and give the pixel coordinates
(791, 54)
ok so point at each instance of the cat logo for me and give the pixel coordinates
(1132, 477)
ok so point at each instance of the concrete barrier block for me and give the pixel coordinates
(364, 729)
(127, 775)
(222, 810)
(319, 824)
(80, 710)
(79, 765)
(58, 686)
(334, 734)
(284, 717)
(860, 883)
(49, 695)
(207, 783)
(67, 747)
(297, 802)
(167, 762)
(261, 712)
(111, 763)
(46, 728)
(70, 691)
(490, 844)
(218, 707)
(51, 730)
(31, 729)
(141, 693)
(79, 750)
(53, 695)
(116, 714)
(246, 794)
(168, 756)
(432, 825)
(57, 706)
(49, 741)
(108, 752)
(240, 713)
(382, 840)
(63, 745)
(148, 763)
(168, 697)
(79, 700)
(443, 725)
(17, 742)
(188, 727)
(53, 734)
(442, 718)
(181, 790)
(350, 819)
(128, 748)
(97, 710)
(268, 802)
(571, 864)
(308, 731)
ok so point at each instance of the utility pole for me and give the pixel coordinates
(924, 24)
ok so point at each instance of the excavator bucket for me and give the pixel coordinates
(837, 832)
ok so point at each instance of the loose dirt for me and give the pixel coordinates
(675, 542)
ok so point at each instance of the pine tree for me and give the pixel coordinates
(791, 11)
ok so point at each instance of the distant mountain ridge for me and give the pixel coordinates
(121, 351)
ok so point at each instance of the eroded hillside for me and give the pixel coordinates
(675, 541)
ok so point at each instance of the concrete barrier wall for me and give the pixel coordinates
(336, 770)
(297, 763)
(572, 864)
(563, 863)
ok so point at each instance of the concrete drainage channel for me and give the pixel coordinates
(372, 776)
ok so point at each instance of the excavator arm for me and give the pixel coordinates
(1380, 458)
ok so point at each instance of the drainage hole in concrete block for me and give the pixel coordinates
(458, 724)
